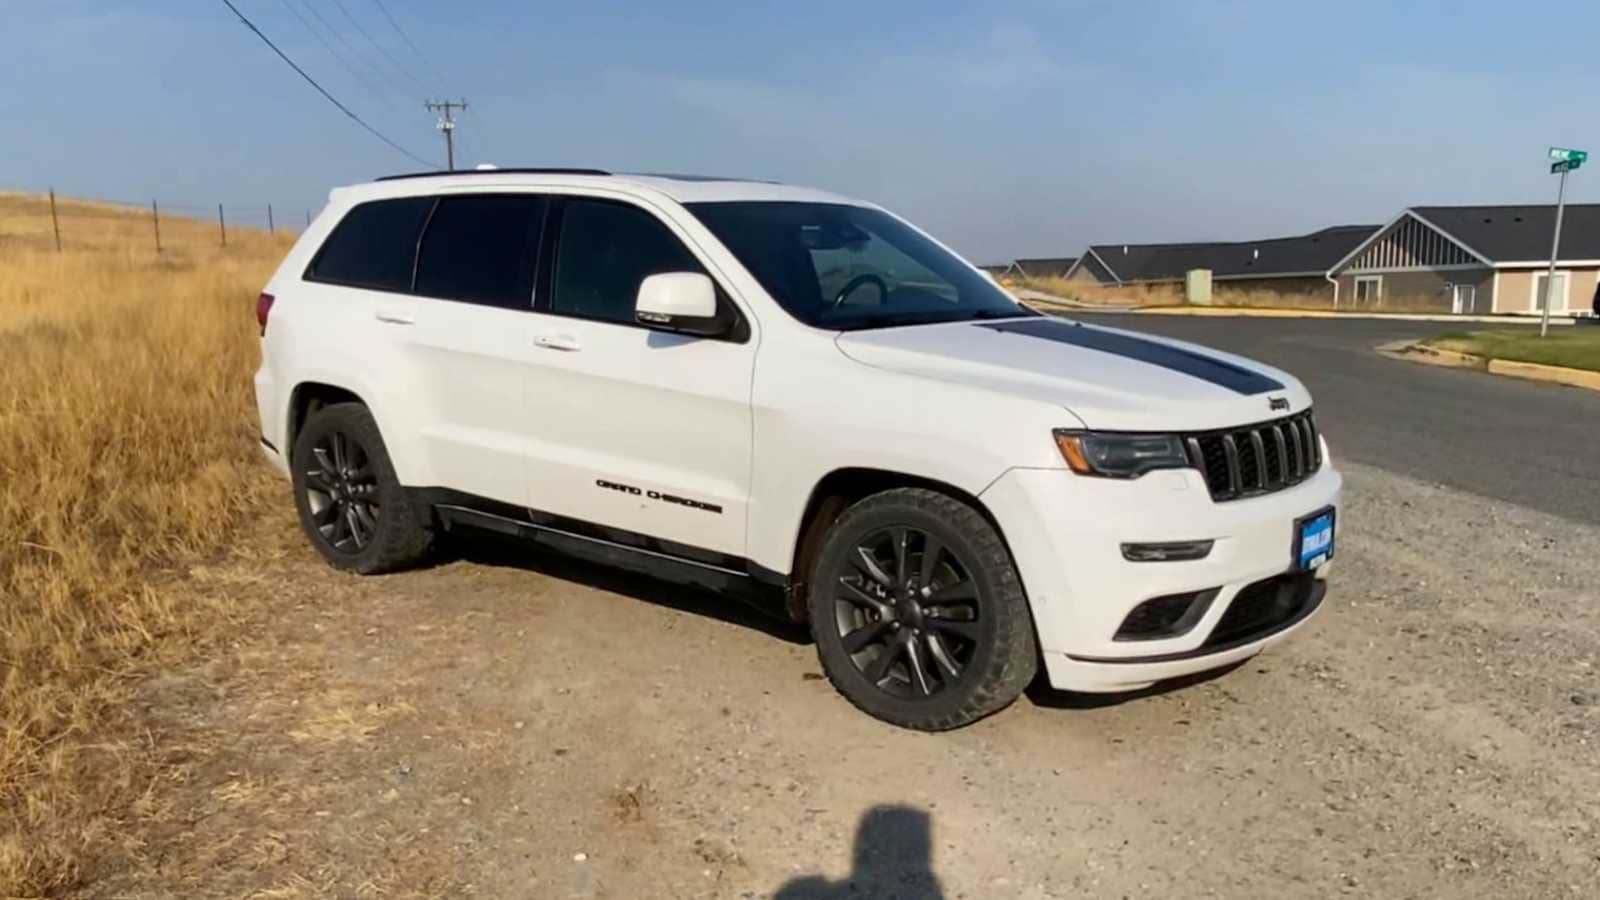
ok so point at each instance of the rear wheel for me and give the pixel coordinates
(918, 613)
(351, 505)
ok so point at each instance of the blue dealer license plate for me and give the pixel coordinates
(1313, 540)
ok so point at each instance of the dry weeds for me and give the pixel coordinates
(127, 454)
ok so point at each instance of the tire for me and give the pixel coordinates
(351, 505)
(955, 645)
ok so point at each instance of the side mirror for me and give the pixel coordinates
(685, 302)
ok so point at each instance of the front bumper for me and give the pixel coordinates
(1066, 534)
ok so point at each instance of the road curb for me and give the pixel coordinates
(1434, 356)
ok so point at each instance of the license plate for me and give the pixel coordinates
(1313, 540)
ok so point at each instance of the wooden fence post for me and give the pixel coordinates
(55, 222)
(271, 229)
(155, 216)
(222, 225)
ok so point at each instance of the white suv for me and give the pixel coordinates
(800, 400)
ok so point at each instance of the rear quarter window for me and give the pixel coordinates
(374, 246)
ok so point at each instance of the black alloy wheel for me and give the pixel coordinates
(908, 614)
(918, 612)
(341, 489)
(351, 504)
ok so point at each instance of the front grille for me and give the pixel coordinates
(1256, 459)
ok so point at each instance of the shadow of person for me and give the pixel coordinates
(893, 861)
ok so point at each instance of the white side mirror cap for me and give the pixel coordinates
(677, 301)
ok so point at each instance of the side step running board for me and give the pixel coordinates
(635, 559)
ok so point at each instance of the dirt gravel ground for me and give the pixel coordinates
(506, 725)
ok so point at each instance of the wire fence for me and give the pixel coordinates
(167, 225)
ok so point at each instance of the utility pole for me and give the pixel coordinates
(447, 124)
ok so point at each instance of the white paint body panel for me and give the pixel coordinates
(535, 409)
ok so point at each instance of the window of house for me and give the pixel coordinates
(374, 245)
(482, 249)
(605, 251)
(1558, 296)
(1369, 289)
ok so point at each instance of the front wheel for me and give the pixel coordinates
(918, 613)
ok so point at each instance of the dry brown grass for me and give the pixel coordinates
(126, 452)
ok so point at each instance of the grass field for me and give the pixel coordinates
(126, 454)
(1575, 347)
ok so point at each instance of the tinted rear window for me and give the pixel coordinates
(482, 249)
(375, 246)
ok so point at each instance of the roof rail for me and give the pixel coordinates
(511, 171)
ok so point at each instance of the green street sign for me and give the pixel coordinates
(1570, 165)
(1565, 155)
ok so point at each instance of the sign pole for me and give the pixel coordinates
(1555, 249)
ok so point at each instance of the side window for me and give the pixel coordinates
(482, 249)
(374, 246)
(605, 250)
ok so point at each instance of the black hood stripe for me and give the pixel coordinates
(1198, 365)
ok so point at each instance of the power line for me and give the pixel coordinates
(410, 43)
(311, 81)
(383, 75)
(379, 47)
(365, 81)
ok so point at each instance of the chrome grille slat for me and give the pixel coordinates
(1256, 459)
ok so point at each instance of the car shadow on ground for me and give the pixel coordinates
(1040, 693)
(489, 549)
(892, 857)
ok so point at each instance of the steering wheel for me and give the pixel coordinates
(857, 282)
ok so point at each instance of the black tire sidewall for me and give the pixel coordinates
(394, 515)
(953, 706)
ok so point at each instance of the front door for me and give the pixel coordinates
(632, 428)
(1466, 299)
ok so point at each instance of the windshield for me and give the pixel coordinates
(848, 267)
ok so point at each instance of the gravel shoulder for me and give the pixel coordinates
(506, 725)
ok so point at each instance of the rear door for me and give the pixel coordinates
(469, 339)
(632, 428)
(346, 319)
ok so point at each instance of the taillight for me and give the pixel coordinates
(263, 310)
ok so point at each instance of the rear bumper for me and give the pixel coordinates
(272, 431)
(1066, 534)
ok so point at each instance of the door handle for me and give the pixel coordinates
(393, 317)
(564, 342)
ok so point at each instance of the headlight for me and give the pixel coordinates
(1120, 455)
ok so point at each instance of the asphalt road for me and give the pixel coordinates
(1532, 444)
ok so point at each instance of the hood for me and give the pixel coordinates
(1109, 378)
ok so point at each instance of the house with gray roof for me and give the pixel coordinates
(1296, 265)
(1474, 259)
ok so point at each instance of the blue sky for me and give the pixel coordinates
(1007, 128)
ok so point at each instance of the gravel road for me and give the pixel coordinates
(506, 726)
